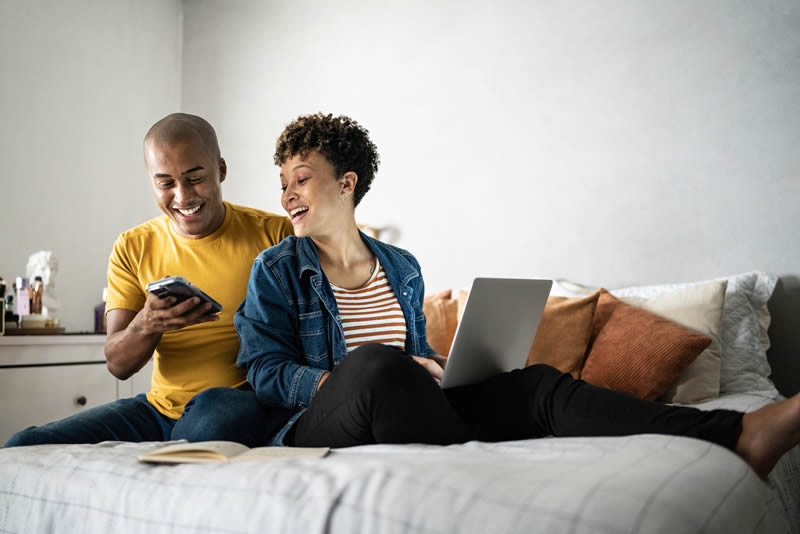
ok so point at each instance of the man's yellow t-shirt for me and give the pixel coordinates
(201, 356)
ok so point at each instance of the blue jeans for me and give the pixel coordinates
(215, 414)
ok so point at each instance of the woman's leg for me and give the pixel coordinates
(378, 394)
(389, 398)
(541, 401)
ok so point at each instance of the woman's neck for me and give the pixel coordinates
(344, 257)
(342, 248)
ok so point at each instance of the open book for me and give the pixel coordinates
(226, 451)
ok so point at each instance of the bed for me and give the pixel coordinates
(642, 483)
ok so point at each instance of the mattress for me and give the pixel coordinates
(643, 483)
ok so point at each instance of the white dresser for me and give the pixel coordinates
(46, 378)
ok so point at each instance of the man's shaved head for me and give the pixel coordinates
(182, 127)
(182, 158)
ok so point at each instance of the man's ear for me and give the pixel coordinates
(347, 183)
(223, 169)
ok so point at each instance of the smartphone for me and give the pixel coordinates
(182, 289)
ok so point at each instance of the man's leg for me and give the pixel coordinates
(131, 419)
(378, 394)
(541, 401)
(231, 415)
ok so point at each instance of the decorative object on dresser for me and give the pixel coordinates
(44, 264)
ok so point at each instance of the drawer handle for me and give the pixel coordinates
(81, 401)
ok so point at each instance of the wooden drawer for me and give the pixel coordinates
(40, 394)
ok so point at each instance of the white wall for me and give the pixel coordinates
(605, 142)
(81, 83)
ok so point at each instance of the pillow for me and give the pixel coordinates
(461, 296)
(698, 308)
(637, 352)
(743, 330)
(745, 320)
(444, 294)
(440, 320)
(563, 334)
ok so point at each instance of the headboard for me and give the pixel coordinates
(784, 335)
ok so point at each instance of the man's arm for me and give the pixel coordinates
(133, 336)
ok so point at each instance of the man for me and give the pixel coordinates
(210, 242)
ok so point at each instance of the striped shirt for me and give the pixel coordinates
(371, 314)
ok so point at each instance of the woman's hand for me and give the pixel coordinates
(438, 358)
(323, 378)
(431, 366)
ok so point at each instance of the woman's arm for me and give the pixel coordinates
(269, 348)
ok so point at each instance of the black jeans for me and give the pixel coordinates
(379, 394)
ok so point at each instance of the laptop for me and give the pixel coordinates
(496, 330)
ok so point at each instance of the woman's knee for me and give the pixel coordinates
(375, 363)
(543, 369)
(539, 379)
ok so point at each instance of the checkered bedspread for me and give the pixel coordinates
(643, 483)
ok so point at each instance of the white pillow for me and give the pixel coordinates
(698, 308)
(745, 320)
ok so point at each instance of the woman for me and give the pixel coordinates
(332, 326)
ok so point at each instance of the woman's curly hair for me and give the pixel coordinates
(343, 142)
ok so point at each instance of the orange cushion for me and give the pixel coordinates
(445, 294)
(564, 332)
(440, 320)
(636, 352)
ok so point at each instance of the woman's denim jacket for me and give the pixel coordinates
(289, 327)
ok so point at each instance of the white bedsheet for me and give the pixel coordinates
(644, 483)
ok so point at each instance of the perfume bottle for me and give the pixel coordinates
(100, 315)
(22, 297)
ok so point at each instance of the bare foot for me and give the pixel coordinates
(768, 433)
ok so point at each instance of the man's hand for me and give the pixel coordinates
(133, 336)
(431, 366)
(160, 315)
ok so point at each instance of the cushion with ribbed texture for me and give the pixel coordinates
(637, 352)
(697, 307)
